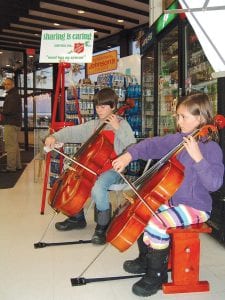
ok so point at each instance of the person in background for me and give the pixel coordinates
(12, 121)
(120, 134)
(203, 173)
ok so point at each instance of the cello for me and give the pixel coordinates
(153, 189)
(72, 189)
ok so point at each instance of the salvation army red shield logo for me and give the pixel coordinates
(78, 47)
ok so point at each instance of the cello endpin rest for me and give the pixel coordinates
(39, 245)
(78, 281)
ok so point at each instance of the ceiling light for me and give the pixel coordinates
(81, 11)
(56, 24)
(1, 52)
(120, 21)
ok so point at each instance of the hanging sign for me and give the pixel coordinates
(166, 19)
(72, 46)
(103, 63)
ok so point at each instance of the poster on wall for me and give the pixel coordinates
(71, 46)
(130, 65)
(103, 63)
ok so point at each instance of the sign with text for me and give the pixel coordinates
(103, 63)
(72, 46)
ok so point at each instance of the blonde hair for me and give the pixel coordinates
(199, 105)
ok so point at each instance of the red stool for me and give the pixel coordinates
(184, 260)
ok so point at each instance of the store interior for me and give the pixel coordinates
(157, 61)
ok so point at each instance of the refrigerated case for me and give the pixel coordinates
(198, 70)
(148, 82)
(167, 81)
(179, 67)
(173, 65)
(160, 75)
(148, 93)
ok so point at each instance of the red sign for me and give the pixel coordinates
(30, 51)
(78, 47)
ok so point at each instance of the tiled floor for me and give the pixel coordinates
(44, 274)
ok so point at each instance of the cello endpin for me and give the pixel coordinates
(39, 245)
(78, 281)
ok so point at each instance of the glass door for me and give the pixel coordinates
(168, 82)
(198, 71)
(148, 93)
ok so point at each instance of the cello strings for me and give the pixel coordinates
(74, 161)
(143, 201)
(161, 162)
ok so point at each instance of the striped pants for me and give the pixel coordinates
(155, 235)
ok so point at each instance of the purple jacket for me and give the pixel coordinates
(199, 178)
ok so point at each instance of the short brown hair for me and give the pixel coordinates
(106, 96)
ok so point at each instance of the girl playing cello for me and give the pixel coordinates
(191, 203)
(120, 134)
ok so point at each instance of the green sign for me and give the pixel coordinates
(166, 19)
(66, 45)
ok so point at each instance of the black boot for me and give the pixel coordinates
(75, 222)
(139, 264)
(157, 261)
(102, 218)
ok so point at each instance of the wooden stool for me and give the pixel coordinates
(184, 260)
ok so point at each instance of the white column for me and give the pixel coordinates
(155, 10)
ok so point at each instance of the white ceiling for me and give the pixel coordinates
(21, 21)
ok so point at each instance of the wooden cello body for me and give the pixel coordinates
(157, 187)
(72, 189)
(125, 229)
